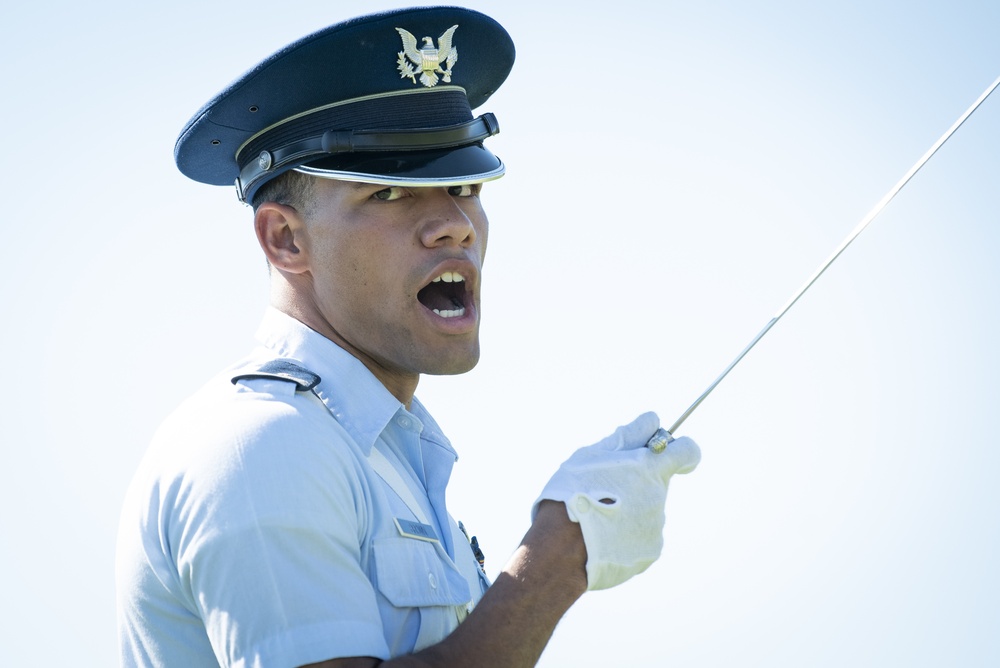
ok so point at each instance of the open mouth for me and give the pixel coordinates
(445, 295)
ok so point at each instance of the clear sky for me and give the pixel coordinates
(676, 170)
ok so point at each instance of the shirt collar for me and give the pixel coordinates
(356, 398)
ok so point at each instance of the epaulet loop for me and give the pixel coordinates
(281, 369)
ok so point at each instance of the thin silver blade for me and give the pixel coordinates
(658, 442)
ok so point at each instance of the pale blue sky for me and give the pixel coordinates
(675, 172)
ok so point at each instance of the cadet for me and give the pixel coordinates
(292, 512)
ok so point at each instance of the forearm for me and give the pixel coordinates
(515, 619)
(618, 489)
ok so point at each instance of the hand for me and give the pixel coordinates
(616, 490)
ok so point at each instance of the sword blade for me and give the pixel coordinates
(663, 436)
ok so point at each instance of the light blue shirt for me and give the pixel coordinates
(262, 530)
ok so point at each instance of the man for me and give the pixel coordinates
(292, 512)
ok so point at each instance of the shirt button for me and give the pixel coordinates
(432, 580)
(403, 421)
(582, 505)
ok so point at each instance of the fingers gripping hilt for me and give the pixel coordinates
(659, 441)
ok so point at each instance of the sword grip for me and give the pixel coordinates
(658, 441)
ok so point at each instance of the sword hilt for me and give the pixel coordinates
(659, 441)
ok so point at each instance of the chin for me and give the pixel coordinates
(454, 366)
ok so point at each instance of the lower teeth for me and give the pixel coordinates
(450, 314)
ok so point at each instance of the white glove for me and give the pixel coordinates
(625, 536)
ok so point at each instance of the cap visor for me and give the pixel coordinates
(449, 166)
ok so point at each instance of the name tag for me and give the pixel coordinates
(411, 529)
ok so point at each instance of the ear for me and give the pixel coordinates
(280, 232)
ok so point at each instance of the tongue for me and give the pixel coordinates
(440, 296)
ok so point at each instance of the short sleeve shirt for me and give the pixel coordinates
(267, 526)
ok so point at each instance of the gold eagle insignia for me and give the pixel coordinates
(426, 60)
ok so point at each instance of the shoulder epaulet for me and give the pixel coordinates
(281, 369)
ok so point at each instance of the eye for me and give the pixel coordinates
(470, 190)
(389, 194)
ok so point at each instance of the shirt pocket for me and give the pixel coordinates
(413, 573)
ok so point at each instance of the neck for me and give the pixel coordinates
(401, 385)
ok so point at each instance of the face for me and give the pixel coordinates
(394, 274)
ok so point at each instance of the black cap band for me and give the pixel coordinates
(333, 142)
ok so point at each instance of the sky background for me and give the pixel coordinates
(675, 172)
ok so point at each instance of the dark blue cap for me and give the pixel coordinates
(385, 98)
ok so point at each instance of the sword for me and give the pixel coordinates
(662, 437)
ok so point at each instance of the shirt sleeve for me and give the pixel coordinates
(265, 530)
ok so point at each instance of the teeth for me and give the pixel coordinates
(449, 277)
(450, 314)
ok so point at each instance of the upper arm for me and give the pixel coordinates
(267, 538)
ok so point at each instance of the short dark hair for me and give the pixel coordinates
(291, 189)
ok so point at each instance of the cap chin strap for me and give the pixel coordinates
(333, 142)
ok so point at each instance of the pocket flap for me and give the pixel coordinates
(417, 573)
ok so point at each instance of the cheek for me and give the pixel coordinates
(364, 274)
(346, 256)
(338, 274)
(481, 225)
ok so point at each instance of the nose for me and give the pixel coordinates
(445, 222)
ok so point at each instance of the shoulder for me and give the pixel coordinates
(258, 437)
(238, 408)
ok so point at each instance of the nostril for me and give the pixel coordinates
(454, 231)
